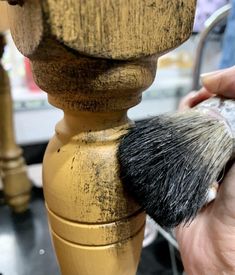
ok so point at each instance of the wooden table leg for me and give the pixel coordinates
(16, 185)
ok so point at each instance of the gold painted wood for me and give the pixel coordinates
(96, 227)
(120, 29)
(4, 25)
(94, 59)
(113, 29)
(16, 185)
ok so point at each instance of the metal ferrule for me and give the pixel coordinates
(223, 110)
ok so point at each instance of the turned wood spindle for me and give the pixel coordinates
(16, 185)
(94, 58)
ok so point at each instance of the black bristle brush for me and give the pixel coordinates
(168, 163)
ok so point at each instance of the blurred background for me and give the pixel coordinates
(25, 246)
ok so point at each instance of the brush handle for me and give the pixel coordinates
(223, 109)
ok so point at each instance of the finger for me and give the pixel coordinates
(201, 95)
(220, 82)
(194, 98)
(185, 102)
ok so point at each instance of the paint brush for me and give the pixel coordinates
(168, 163)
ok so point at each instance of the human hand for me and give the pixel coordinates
(207, 245)
(220, 82)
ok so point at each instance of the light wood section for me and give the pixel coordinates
(4, 25)
(94, 59)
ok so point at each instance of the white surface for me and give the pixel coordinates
(35, 174)
(35, 126)
(150, 108)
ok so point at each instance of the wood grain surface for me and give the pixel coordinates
(113, 29)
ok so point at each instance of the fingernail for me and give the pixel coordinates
(206, 76)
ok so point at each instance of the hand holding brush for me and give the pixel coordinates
(207, 244)
(169, 162)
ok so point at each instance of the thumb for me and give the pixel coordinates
(220, 82)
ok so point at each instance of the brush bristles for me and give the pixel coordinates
(168, 163)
